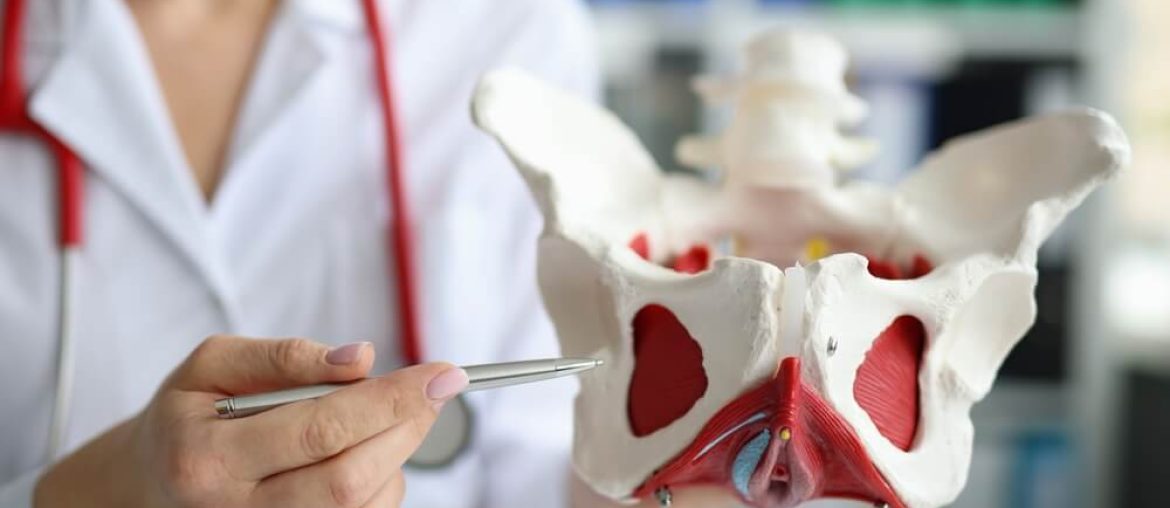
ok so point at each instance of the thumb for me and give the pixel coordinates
(235, 365)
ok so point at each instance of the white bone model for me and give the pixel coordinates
(694, 293)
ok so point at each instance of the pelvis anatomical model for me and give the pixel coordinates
(780, 333)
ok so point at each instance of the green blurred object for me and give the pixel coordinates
(857, 3)
(890, 3)
(937, 3)
(1019, 3)
(988, 3)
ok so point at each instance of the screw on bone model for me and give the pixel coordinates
(832, 348)
(663, 496)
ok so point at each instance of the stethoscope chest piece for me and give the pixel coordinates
(448, 438)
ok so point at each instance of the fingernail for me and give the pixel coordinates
(345, 355)
(447, 385)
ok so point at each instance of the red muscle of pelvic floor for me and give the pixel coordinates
(822, 457)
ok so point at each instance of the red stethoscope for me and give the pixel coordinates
(449, 437)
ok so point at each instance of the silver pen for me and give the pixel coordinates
(480, 377)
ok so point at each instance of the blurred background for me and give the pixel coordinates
(1081, 411)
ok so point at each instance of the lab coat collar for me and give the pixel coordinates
(295, 50)
(99, 97)
(284, 70)
(343, 14)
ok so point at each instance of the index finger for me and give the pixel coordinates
(311, 431)
(235, 365)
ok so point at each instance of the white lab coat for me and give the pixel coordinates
(294, 242)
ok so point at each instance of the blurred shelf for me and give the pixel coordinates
(917, 40)
(1003, 31)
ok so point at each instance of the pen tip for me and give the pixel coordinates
(579, 364)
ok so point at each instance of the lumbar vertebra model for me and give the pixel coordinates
(836, 349)
(789, 107)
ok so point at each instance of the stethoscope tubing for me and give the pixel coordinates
(65, 370)
(401, 234)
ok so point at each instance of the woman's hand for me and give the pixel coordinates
(342, 450)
